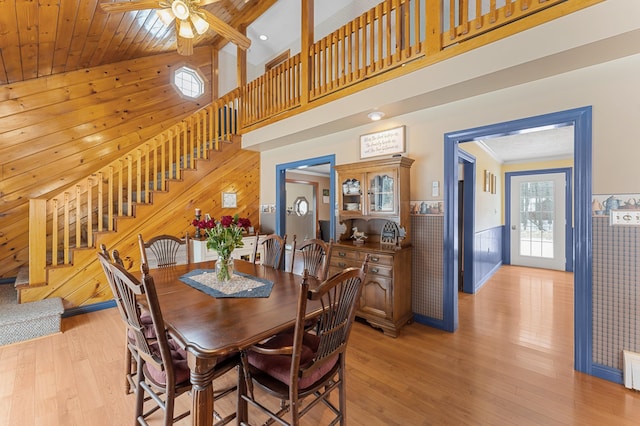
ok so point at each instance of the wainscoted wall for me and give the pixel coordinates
(58, 129)
(427, 275)
(616, 293)
(487, 249)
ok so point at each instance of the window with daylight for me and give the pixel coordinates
(188, 82)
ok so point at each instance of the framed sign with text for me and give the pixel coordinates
(385, 142)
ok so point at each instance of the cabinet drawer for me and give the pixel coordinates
(345, 255)
(379, 259)
(380, 271)
(342, 263)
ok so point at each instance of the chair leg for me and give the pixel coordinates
(241, 404)
(342, 392)
(127, 369)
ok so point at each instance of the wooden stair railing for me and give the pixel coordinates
(71, 218)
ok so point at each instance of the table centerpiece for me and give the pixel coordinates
(223, 236)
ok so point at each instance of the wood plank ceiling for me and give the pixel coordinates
(46, 37)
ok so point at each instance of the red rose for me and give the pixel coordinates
(226, 221)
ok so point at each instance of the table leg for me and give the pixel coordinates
(202, 389)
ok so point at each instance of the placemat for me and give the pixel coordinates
(241, 285)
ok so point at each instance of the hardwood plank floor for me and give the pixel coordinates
(510, 363)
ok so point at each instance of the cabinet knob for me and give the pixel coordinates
(342, 264)
(342, 254)
(375, 259)
(374, 270)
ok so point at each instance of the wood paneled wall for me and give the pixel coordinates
(58, 129)
(232, 169)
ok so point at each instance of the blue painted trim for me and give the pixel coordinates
(431, 322)
(11, 280)
(581, 118)
(281, 197)
(568, 245)
(484, 279)
(469, 170)
(89, 308)
(583, 241)
(608, 373)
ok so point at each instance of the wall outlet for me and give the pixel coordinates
(624, 217)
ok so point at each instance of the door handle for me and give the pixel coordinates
(513, 227)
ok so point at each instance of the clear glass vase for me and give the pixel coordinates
(224, 269)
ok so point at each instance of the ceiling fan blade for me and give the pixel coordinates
(129, 6)
(226, 30)
(206, 2)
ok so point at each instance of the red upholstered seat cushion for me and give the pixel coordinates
(279, 366)
(180, 367)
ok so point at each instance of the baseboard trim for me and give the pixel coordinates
(89, 308)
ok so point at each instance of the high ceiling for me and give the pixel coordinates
(39, 39)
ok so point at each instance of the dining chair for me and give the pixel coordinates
(273, 247)
(162, 370)
(130, 360)
(313, 256)
(298, 365)
(292, 249)
(167, 250)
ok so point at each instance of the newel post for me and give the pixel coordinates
(37, 241)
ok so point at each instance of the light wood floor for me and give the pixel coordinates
(510, 363)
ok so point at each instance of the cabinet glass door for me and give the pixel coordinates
(382, 192)
(351, 195)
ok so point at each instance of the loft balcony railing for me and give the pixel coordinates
(392, 34)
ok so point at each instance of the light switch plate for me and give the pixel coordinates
(624, 217)
(435, 188)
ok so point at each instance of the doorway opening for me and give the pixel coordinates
(318, 166)
(580, 119)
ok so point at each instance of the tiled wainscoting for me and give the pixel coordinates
(616, 291)
(427, 284)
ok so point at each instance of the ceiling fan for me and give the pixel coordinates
(190, 19)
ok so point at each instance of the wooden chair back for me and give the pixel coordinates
(167, 250)
(316, 361)
(273, 247)
(312, 256)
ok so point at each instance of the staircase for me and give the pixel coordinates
(19, 322)
(153, 189)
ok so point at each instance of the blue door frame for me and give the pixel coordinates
(281, 196)
(581, 119)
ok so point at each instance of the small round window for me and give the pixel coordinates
(301, 206)
(189, 82)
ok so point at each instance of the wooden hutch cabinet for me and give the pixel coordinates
(374, 199)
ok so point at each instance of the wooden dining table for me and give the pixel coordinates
(209, 327)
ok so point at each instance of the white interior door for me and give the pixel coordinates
(538, 221)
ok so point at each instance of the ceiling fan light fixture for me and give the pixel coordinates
(166, 16)
(185, 31)
(199, 24)
(180, 9)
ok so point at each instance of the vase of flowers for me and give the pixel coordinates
(223, 236)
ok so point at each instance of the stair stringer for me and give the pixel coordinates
(171, 211)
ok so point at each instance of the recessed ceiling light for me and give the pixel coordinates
(263, 37)
(375, 115)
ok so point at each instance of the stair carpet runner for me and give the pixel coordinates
(20, 322)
